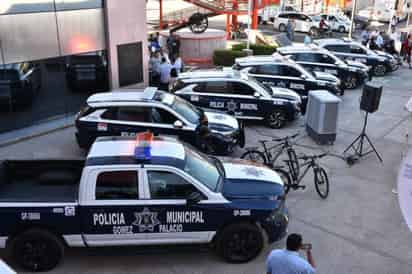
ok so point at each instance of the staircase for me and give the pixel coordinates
(222, 6)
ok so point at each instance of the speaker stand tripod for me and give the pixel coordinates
(358, 144)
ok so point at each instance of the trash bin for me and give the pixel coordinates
(322, 116)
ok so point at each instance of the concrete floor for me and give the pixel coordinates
(358, 229)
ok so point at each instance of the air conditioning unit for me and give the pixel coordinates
(322, 116)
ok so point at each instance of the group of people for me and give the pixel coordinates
(164, 68)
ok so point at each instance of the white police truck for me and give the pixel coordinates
(138, 191)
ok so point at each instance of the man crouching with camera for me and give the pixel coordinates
(288, 261)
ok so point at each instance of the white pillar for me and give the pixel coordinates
(126, 24)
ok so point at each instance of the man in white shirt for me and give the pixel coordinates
(379, 40)
(165, 68)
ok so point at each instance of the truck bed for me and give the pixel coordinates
(40, 180)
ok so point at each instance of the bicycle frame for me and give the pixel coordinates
(268, 154)
(308, 164)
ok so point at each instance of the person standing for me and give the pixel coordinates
(154, 66)
(394, 22)
(165, 69)
(406, 50)
(379, 40)
(288, 261)
(365, 36)
(290, 29)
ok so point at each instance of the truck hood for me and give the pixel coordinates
(247, 180)
(221, 122)
(383, 54)
(323, 76)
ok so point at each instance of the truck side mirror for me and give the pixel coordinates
(194, 198)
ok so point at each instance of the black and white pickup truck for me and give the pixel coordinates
(131, 192)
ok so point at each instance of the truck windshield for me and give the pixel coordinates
(202, 168)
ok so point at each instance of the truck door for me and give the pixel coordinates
(110, 216)
(172, 219)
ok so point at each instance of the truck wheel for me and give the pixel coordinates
(37, 250)
(282, 28)
(351, 81)
(239, 243)
(277, 119)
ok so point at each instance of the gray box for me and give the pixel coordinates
(322, 116)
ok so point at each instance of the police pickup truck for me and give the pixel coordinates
(237, 94)
(138, 191)
(379, 62)
(126, 113)
(314, 58)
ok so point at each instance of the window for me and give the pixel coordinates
(167, 185)
(338, 48)
(303, 17)
(307, 57)
(242, 89)
(130, 63)
(78, 4)
(290, 71)
(117, 185)
(162, 116)
(268, 70)
(25, 6)
(133, 114)
(324, 58)
(356, 49)
(216, 87)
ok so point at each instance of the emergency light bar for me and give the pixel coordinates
(143, 148)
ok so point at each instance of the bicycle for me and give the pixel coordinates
(270, 154)
(320, 176)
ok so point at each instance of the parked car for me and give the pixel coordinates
(135, 191)
(314, 58)
(129, 112)
(281, 71)
(268, 13)
(338, 23)
(87, 72)
(19, 84)
(237, 94)
(347, 49)
(304, 23)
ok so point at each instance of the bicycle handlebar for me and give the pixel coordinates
(312, 157)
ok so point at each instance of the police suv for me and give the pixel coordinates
(314, 58)
(126, 113)
(281, 71)
(236, 93)
(138, 191)
(378, 61)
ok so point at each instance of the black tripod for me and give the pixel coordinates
(358, 144)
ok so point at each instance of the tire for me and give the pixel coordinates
(282, 28)
(294, 163)
(341, 29)
(277, 119)
(351, 81)
(255, 156)
(240, 243)
(380, 70)
(287, 183)
(321, 182)
(37, 250)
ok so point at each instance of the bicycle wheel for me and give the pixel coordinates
(285, 178)
(321, 182)
(255, 156)
(294, 163)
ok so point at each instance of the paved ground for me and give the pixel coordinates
(358, 229)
